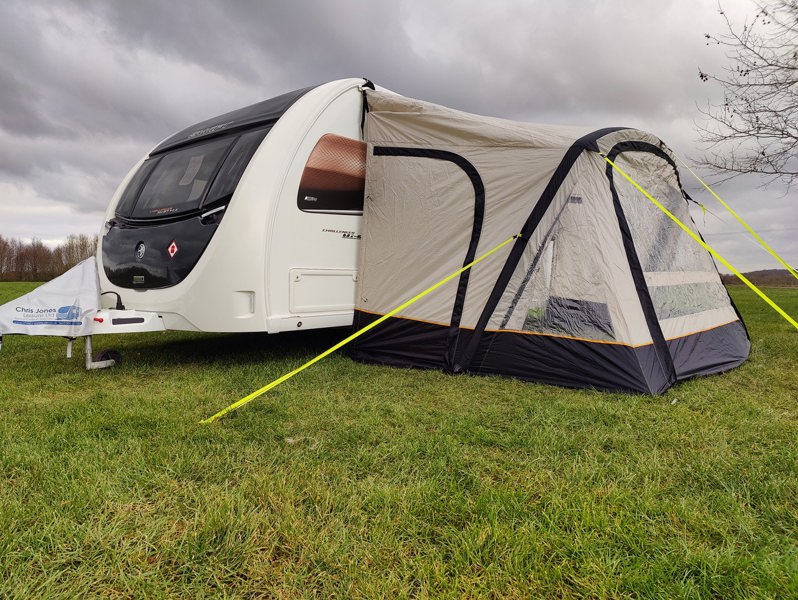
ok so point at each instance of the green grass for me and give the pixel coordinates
(358, 481)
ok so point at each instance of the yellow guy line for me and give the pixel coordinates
(792, 271)
(358, 333)
(706, 246)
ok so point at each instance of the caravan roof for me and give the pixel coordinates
(262, 113)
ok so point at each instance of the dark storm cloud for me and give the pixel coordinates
(298, 43)
(56, 82)
(513, 59)
(20, 94)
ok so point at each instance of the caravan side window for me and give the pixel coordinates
(334, 177)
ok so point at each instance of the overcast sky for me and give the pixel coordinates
(88, 87)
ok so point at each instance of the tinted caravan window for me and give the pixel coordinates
(334, 177)
(128, 199)
(233, 168)
(179, 180)
(189, 178)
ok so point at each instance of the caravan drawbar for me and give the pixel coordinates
(246, 222)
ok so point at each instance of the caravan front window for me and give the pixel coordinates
(233, 168)
(189, 178)
(180, 179)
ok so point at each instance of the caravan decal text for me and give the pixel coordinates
(347, 235)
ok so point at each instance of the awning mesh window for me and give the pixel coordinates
(680, 274)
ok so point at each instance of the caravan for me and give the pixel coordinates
(246, 222)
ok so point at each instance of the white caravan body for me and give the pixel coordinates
(274, 261)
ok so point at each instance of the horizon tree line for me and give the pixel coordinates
(35, 261)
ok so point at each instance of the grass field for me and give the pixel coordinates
(358, 481)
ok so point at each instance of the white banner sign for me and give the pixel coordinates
(64, 306)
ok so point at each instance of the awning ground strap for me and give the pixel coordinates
(358, 333)
(706, 246)
(764, 244)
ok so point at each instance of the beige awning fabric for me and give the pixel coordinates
(444, 186)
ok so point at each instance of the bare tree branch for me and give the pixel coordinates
(755, 128)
